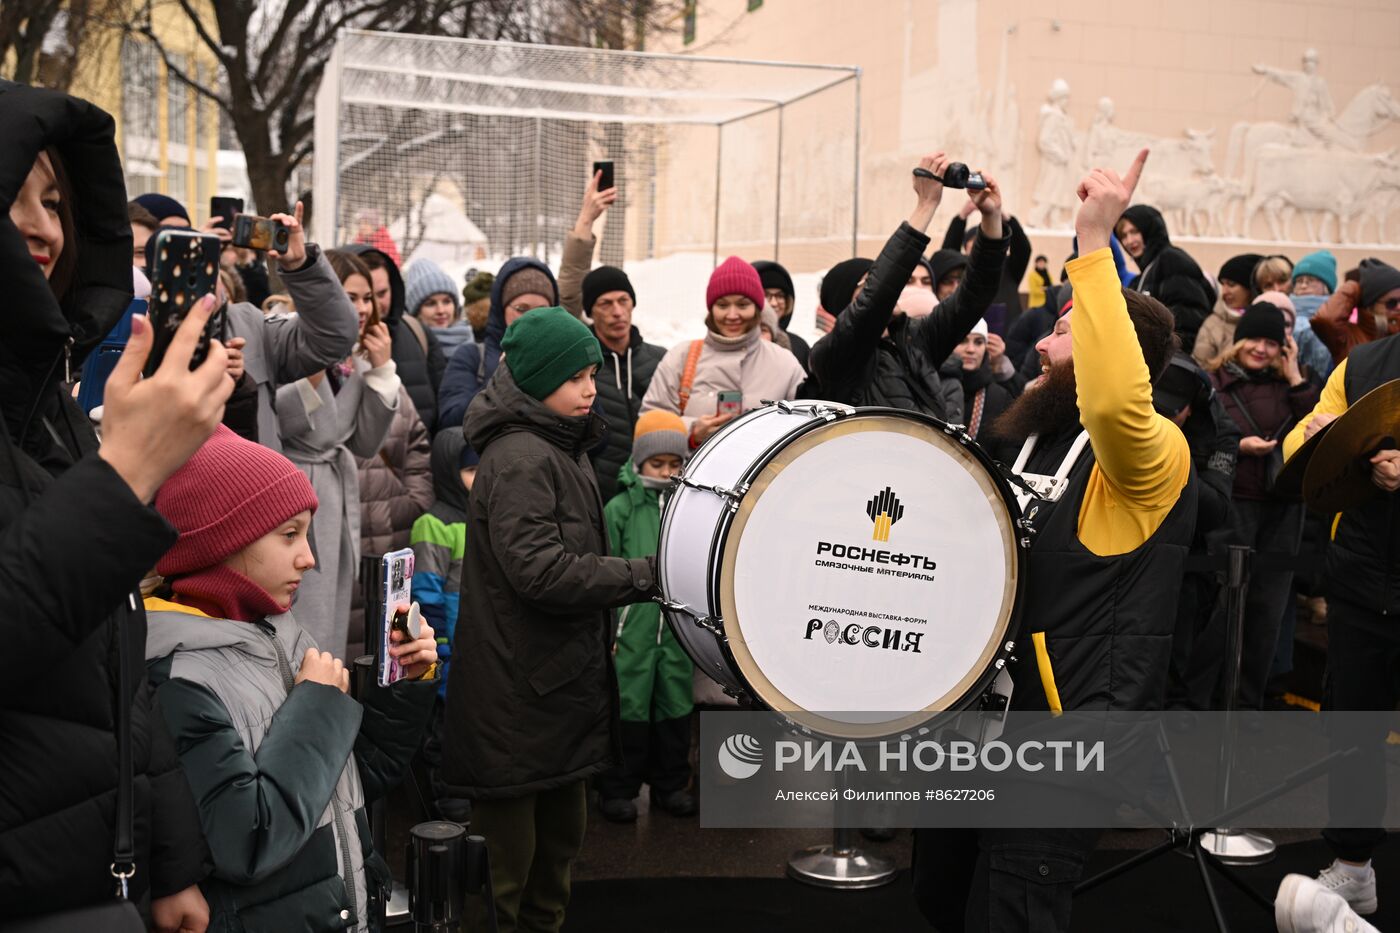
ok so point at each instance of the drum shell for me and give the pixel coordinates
(698, 523)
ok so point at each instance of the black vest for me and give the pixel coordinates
(1108, 621)
(1363, 561)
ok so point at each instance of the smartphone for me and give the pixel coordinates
(253, 232)
(996, 318)
(184, 270)
(226, 208)
(607, 181)
(396, 586)
(731, 402)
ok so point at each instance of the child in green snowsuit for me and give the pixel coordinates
(654, 674)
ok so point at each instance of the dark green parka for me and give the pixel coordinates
(532, 695)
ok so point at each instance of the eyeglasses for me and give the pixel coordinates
(522, 307)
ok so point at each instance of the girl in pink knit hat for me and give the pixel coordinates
(280, 758)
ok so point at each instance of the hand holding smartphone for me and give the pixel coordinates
(225, 209)
(400, 612)
(607, 181)
(731, 402)
(185, 269)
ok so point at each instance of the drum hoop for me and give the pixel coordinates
(730, 533)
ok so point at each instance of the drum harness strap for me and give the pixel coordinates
(1043, 488)
(692, 360)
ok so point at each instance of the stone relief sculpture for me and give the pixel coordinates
(1052, 199)
(1314, 165)
(1313, 113)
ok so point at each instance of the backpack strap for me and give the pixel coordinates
(416, 326)
(692, 360)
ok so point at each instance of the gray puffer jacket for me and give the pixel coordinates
(281, 770)
(283, 348)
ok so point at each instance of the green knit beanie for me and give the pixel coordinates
(546, 346)
(477, 288)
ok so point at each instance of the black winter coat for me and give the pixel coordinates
(856, 363)
(1274, 407)
(532, 692)
(1017, 260)
(421, 371)
(74, 546)
(984, 399)
(622, 384)
(1363, 561)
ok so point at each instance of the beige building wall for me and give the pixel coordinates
(168, 134)
(972, 77)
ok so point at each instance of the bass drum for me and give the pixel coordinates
(856, 570)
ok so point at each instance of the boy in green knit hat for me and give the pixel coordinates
(532, 708)
(654, 674)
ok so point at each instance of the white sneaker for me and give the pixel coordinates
(1304, 905)
(1360, 894)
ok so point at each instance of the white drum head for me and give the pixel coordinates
(869, 578)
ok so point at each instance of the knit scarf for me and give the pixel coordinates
(225, 593)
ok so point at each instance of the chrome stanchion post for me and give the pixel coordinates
(1234, 846)
(842, 864)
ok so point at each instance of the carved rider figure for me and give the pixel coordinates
(1313, 111)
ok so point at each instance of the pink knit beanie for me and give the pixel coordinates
(225, 497)
(734, 277)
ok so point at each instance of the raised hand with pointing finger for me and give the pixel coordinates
(1104, 196)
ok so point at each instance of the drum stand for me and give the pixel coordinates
(1219, 849)
(842, 865)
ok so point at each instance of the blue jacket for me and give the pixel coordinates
(472, 366)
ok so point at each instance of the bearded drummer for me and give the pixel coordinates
(1104, 569)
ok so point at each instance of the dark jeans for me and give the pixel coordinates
(1273, 529)
(1363, 673)
(999, 880)
(532, 841)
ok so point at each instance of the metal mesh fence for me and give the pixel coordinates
(469, 151)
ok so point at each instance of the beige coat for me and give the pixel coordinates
(763, 371)
(1217, 334)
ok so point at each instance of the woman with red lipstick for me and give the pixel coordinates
(280, 758)
(327, 420)
(1264, 392)
(77, 530)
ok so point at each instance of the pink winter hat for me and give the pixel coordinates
(225, 497)
(734, 277)
(1281, 301)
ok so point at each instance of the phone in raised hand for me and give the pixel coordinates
(185, 269)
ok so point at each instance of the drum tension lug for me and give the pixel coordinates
(706, 622)
(958, 431)
(732, 496)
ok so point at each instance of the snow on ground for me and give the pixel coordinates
(671, 295)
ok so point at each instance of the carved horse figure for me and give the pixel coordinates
(1369, 112)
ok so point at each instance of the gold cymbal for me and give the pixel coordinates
(1338, 475)
(1289, 482)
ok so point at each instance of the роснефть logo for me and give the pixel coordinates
(884, 510)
